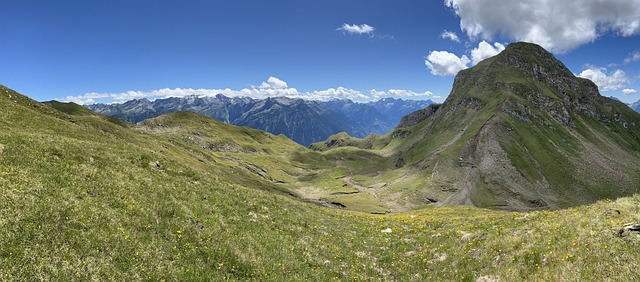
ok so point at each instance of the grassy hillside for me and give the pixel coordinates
(519, 131)
(85, 199)
(74, 109)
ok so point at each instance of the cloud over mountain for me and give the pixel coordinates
(605, 81)
(273, 87)
(556, 25)
(446, 63)
(274, 83)
(485, 50)
(399, 93)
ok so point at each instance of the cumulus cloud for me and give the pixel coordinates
(446, 63)
(78, 100)
(485, 50)
(450, 35)
(633, 57)
(606, 82)
(90, 98)
(628, 91)
(357, 29)
(559, 26)
(273, 87)
(273, 82)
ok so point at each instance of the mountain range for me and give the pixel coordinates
(183, 196)
(301, 120)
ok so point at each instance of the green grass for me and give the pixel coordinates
(70, 108)
(216, 231)
(359, 202)
(589, 153)
(542, 159)
(184, 197)
(343, 139)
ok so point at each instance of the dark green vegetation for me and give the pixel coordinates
(184, 197)
(74, 109)
(518, 131)
(302, 121)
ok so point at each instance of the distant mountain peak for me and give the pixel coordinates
(304, 121)
(636, 106)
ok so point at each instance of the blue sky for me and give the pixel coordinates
(112, 51)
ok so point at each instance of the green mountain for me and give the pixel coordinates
(518, 131)
(183, 197)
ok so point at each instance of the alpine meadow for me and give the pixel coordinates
(183, 197)
(320, 140)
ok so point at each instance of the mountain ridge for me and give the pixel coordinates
(518, 131)
(304, 121)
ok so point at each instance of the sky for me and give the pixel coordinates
(113, 51)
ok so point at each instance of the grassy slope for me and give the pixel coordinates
(84, 200)
(78, 110)
(532, 163)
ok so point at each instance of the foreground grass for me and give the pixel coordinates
(90, 200)
(108, 220)
(202, 232)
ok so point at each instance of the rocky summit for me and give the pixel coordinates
(536, 136)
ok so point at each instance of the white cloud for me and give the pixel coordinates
(273, 82)
(273, 87)
(336, 93)
(257, 93)
(628, 91)
(634, 57)
(558, 26)
(79, 100)
(450, 35)
(89, 98)
(357, 29)
(485, 50)
(398, 93)
(445, 63)
(606, 82)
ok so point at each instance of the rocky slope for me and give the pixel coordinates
(418, 116)
(519, 131)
